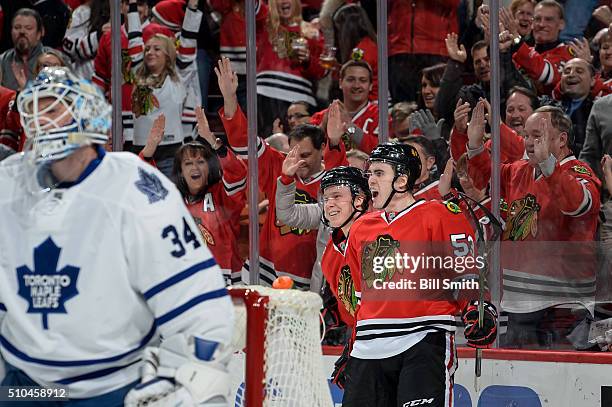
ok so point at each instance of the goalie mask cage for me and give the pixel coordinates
(279, 331)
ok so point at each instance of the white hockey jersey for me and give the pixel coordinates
(91, 274)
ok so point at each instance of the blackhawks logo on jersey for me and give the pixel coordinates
(373, 256)
(522, 219)
(346, 290)
(301, 197)
(206, 235)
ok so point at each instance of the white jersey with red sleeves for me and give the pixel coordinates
(217, 215)
(387, 327)
(284, 250)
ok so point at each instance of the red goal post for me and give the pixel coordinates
(279, 332)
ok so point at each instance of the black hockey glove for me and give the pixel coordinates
(480, 337)
(338, 376)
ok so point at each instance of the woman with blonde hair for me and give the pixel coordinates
(160, 77)
(288, 50)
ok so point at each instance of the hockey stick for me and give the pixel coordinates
(482, 271)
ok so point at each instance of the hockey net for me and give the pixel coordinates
(277, 338)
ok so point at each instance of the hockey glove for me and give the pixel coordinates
(338, 376)
(183, 372)
(480, 337)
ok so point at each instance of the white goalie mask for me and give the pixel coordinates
(61, 113)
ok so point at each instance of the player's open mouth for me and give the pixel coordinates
(333, 213)
(374, 194)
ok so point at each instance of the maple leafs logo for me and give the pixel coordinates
(46, 289)
(151, 186)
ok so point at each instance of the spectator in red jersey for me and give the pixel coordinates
(355, 38)
(360, 115)
(416, 32)
(552, 197)
(212, 181)
(288, 50)
(9, 140)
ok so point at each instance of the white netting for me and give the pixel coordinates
(293, 369)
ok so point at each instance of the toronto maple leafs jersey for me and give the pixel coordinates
(91, 274)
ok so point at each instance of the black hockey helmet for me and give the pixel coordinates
(349, 176)
(353, 178)
(403, 158)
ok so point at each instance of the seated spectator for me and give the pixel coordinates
(551, 197)
(426, 185)
(50, 57)
(360, 114)
(160, 78)
(605, 62)
(311, 145)
(26, 32)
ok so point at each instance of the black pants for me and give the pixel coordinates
(421, 374)
(405, 74)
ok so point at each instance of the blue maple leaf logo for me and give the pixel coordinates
(151, 186)
(46, 289)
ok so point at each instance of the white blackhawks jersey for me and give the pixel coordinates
(91, 274)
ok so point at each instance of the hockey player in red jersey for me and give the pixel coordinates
(283, 250)
(361, 114)
(404, 350)
(550, 197)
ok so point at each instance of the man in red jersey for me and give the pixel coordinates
(360, 114)
(551, 206)
(404, 350)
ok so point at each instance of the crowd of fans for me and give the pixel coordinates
(317, 95)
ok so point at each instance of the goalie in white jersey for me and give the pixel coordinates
(99, 260)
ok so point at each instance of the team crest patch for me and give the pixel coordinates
(46, 288)
(581, 169)
(384, 246)
(150, 185)
(522, 219)
(346, 290)
(452, 207)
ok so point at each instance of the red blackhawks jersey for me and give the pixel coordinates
(284, 250)
(543, 67)
(338, 275)
(366, 119)
(551, 221)
(217, 215)
(386, 323)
